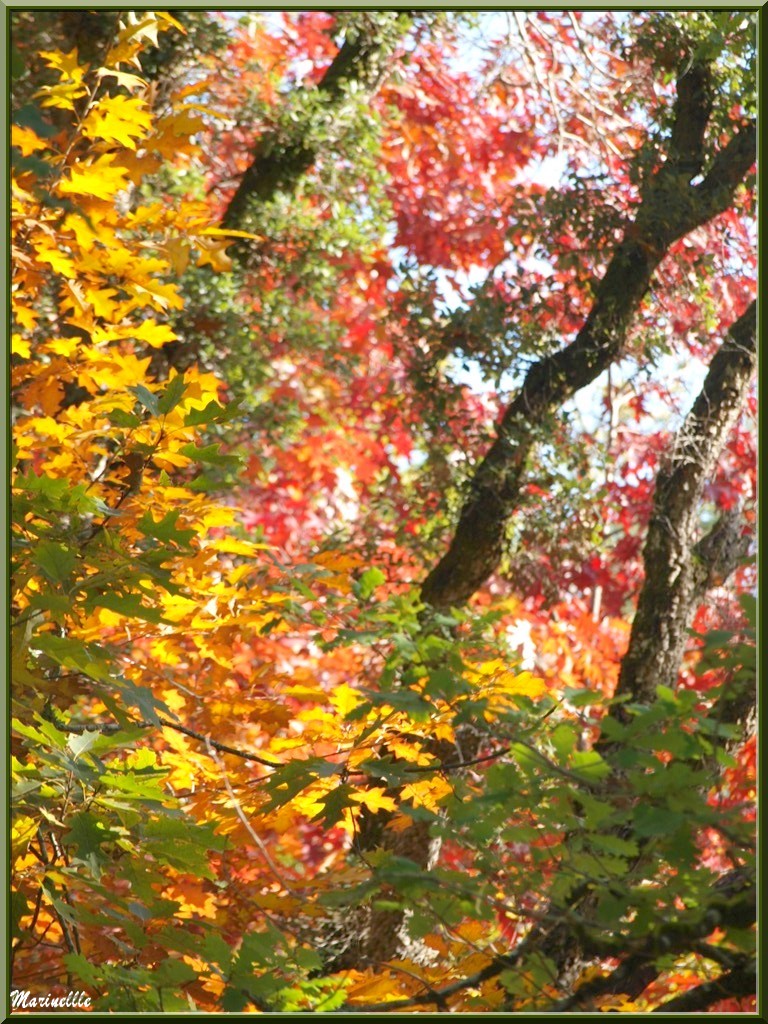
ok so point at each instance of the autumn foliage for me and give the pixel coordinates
(254, 767)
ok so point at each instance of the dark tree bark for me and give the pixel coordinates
(678, 570)
(278, 164)
(670, 208)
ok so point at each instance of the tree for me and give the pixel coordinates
(317, 704)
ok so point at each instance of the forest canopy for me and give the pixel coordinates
(383, 510)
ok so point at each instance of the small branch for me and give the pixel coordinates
(246, 824)
(722, 549)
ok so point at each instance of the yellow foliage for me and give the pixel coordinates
(22, 831)
(96, 179)
(375, 799)
(26, 140)
(427, 792)
(121, 119)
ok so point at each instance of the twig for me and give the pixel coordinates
(246, 824)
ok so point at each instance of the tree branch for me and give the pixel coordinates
(278, 164)
(693, 108)
(669, 209)
(677, 570)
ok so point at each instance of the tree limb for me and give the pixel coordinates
(678, 570)
(670, 208)
(278, 164)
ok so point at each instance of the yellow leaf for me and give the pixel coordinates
(98, 179)
(490, 668)
(376, 989)
(159, 294)
(101, 301)
(132, 34)
(230, 233)
(523, 683)
(124, 51)
(427, 792)
(170, 21)
(222, 516)
(84, 234)
(128, 81)
(173, 133)
(26, 317)
(63, 346)
(344, 699)
(62, 96)
(178, 254)
(375, 800)
(309, 802)
(22, 831)
(76, 292)
(20, 346)
(176, 607)
(215, 255)
(55, 258)
(338, 561)
(170, 460)
(67, 64)
(193, 898)
(152, 333)
(26, 140)
(122, 119)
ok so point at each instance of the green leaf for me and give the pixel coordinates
(87, 834)
(55, 560)
(75, 655)
(614, 844)
(209, 455)
(51, 602)
(81, 743)
(445, 684)
(287, 781)
(29, 116)
(143, 698)
(46, 733)
(147, 398)
(172, 395)
(368, 582)
(212, 413)
(578, 697)
(412, 703)
(563, 738)
(590, 765)
(334, 804)
(19, 909)
(165, 529)
(121, 418)
(656, 821)
(172, 972)
(749, 603)
(129, 605)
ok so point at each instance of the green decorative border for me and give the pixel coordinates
(10, 5)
